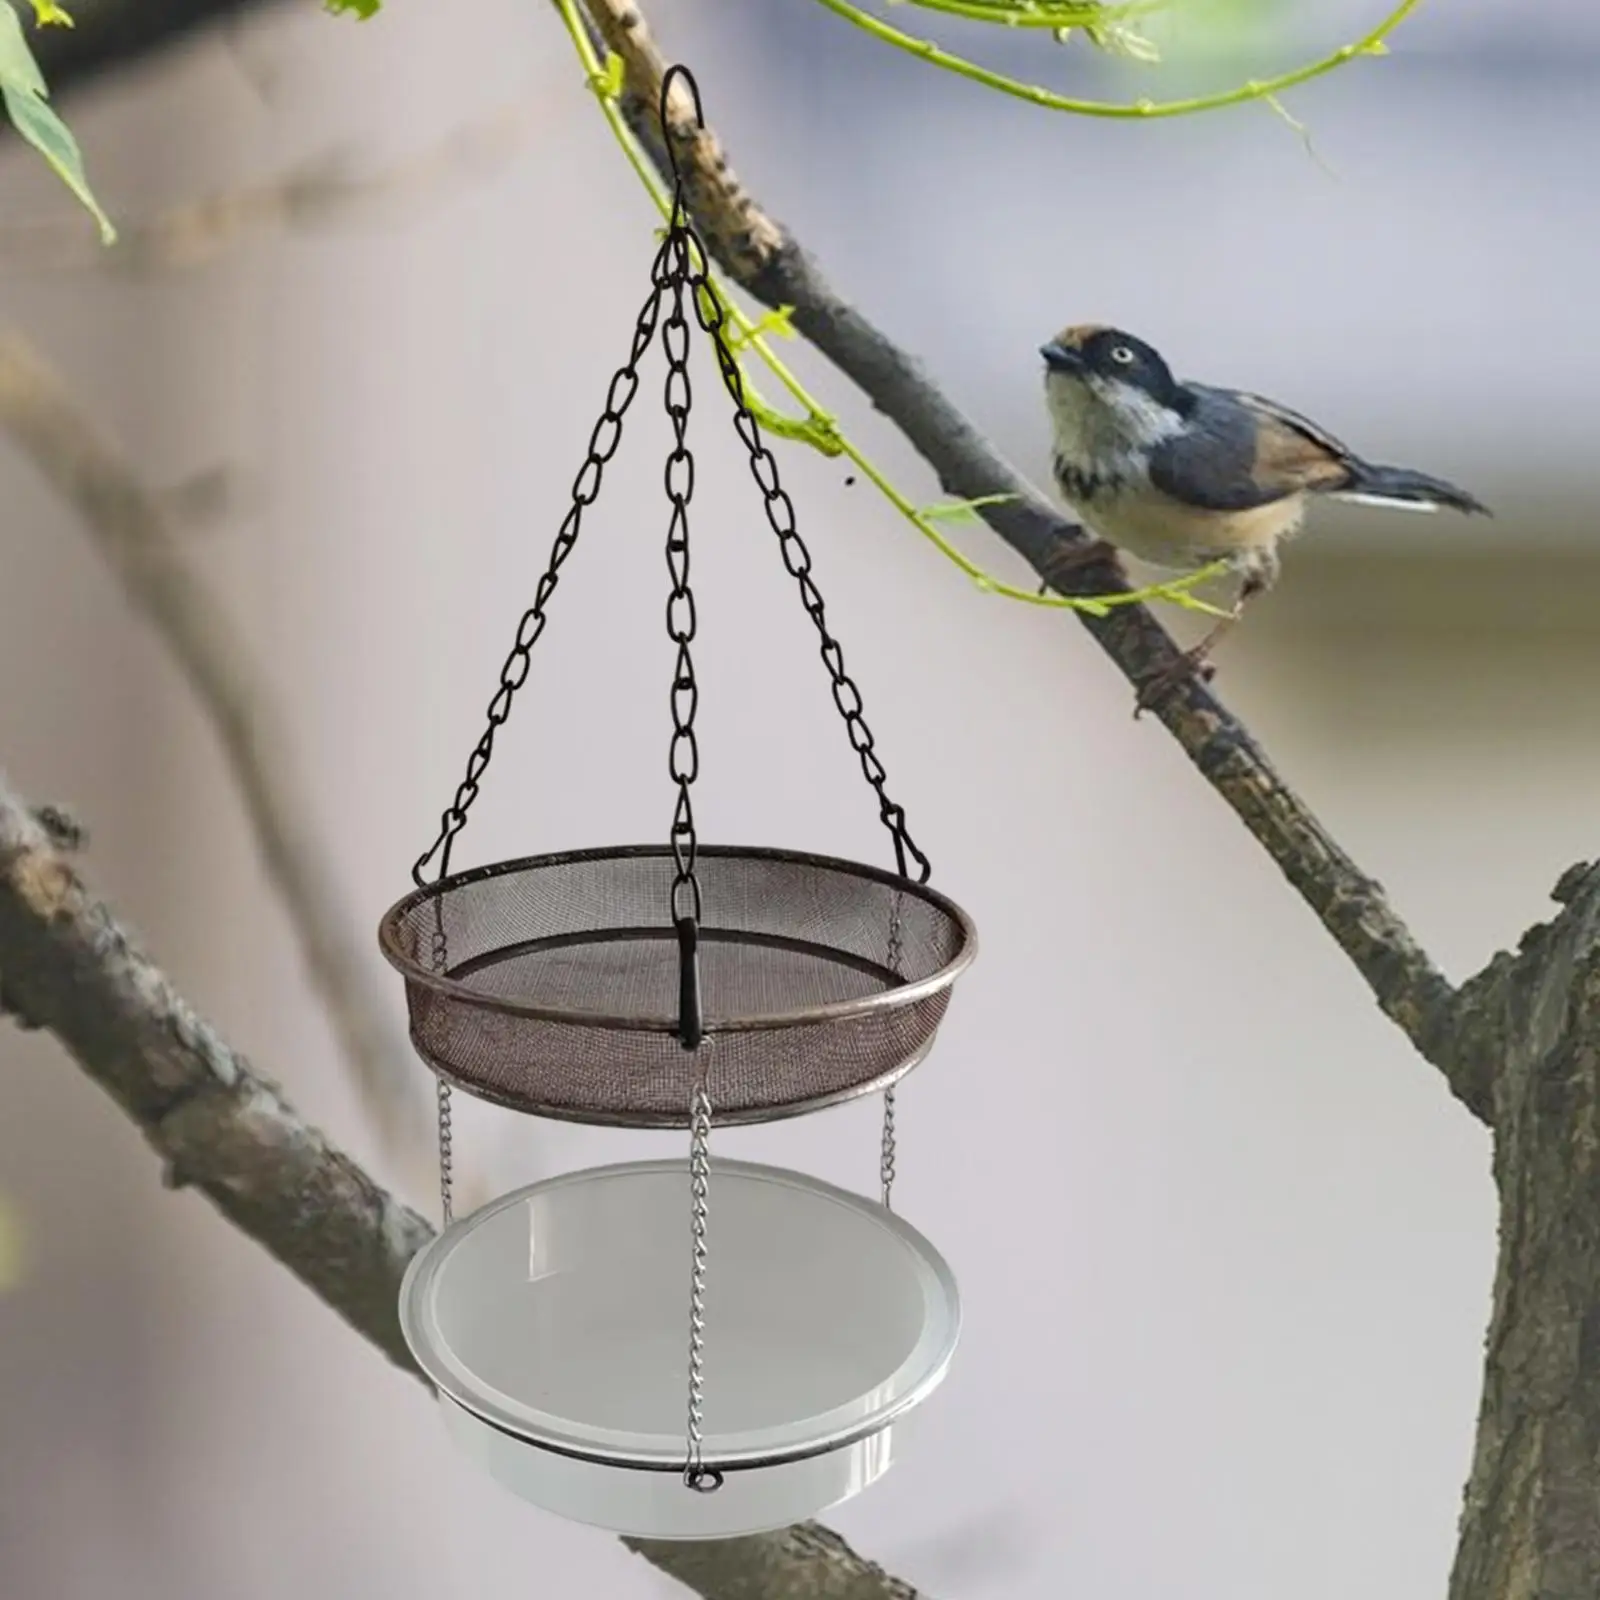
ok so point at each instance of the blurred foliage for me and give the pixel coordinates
(10, 1246)
(28, 105)
(1145, 31)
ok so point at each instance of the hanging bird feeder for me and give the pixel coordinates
(591, 1357)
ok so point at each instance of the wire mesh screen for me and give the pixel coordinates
(551, 985)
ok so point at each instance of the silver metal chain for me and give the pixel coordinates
(446, 1157)
(886, 1155)
(441, 959)
(695, 1473)
(886, 1148)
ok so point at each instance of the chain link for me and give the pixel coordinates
(603, 442)
(680, 269)
(797, 559)
(672, 276)
(441, 957)
(846, 695)
(695, 1473)
(886, 1151)
(886, 1143)
(672, 279)
(447, 1210)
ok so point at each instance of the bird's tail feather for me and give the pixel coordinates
(1400, 486)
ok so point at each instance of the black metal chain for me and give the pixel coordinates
(683, 754)
(603, 442)
(797, 559)
(680, 270)
(673, 277)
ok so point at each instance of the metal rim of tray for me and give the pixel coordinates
(888, 999)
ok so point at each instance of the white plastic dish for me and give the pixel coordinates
(554, 1323)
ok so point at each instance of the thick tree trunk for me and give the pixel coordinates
(1530, 1529)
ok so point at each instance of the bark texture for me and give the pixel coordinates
(68, 965)
(1530, 1528)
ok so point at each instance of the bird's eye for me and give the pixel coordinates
(1122, 355)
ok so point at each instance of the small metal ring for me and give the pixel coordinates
(703, 1480)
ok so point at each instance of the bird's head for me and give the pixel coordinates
(1108, 393)
(1106, 361)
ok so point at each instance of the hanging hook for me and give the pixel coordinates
(673, 72)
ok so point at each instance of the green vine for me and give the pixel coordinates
(819, 428)
(1017, 13)
(1051, 14)
(1105, 25)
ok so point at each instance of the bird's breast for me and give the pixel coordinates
(1137, 517)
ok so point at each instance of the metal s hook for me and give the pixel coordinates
(672, 73)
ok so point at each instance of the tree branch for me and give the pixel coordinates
(131, 528)
(764, 259)
(66, 964)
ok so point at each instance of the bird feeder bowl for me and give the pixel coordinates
(677, 1349)
(821, 979)
(552, 1324)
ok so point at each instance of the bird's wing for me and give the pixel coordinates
(1242, 450)
(1280, 414)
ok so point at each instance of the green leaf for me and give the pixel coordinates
(608, 84)
(774, 325)
(1118, 39)
(962, 510)
(361, 10)
(23, 86)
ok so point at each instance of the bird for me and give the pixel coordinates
(1184, 474)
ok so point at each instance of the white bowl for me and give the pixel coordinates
(555, 1324)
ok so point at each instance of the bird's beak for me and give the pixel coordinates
(1059, 358)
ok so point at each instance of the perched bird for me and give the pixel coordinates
(1182, 474)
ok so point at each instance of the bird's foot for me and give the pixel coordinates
(1069, 558)
(1191, 665)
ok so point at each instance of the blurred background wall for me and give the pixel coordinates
(1225, 1241)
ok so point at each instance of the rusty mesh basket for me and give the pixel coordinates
(550, 985)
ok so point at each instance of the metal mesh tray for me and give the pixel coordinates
(550, 985)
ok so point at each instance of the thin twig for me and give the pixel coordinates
(314, 194)
(765, 260)
(67, 965)
(132, 530)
